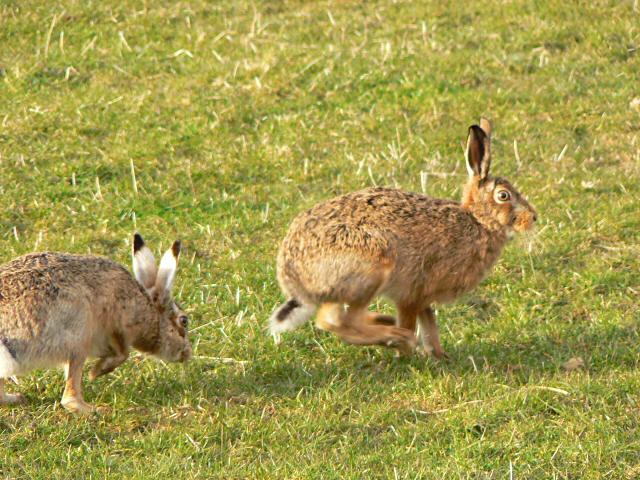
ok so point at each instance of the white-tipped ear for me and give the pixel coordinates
(470, 170)
(485, 125)
(167, 269)
(144, 263)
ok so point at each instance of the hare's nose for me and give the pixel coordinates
(535, 217)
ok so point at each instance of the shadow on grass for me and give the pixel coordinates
(516, 357)
(296, 368)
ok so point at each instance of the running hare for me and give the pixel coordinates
(414, 249)
(59, 308)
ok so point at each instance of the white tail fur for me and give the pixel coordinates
(8, 364)
(288, 316)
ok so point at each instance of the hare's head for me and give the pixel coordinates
(173, 342)
(493, 200)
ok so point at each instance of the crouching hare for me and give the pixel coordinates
(60, 309)
(416, 250)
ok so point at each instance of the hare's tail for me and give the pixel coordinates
(8, 363)
(288, 316)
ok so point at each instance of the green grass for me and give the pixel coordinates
(236, 115)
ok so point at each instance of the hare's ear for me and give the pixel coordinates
(167, 270)
(144, 263)
(478, 152)
(485, 125)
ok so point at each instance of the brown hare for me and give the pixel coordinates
(60, 309)
(416, 250)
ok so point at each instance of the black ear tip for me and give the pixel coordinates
(138, 242)
(477, 131)
(175, 248)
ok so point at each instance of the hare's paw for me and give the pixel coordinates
(97, 370)
(426, 351)
(403, 340)
(78, 406)
(423, 351)
(441, 355)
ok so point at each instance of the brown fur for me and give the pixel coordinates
(32, 284)
(415, 249)
(59, 308)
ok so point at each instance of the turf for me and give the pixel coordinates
(218, 122)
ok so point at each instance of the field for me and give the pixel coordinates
(218, 122)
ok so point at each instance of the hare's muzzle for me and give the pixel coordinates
(525, 219)
(186, 355)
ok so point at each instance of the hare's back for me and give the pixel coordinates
(343, 224)
(48, 272)
(368, 221)
(34, 283)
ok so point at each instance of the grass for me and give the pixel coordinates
(233, 116)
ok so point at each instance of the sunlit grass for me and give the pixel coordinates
(218, 122)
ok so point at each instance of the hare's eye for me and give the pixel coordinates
(503, 196)
(184, 321)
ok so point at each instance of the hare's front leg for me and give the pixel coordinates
(429, 336)
(119, 354)
(9, 398)
(407, 317)
(72, 398)
(106, 365)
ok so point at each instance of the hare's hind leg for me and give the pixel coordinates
(9, 398)
(429, 336)
(354, 326)
(374, 318)
(355, 284)
(407, 317)
(72, 398)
